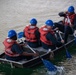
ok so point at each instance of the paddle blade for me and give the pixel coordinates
(20, 34)
(68, 55)
(49, 65)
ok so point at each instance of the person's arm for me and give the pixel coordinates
(75, 23)
(37, 34)
(16, 48)
(29, 54)
(62, 14)
(51, 38)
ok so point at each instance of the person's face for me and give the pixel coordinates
(49, 27)
(69, 13)
(14, 37)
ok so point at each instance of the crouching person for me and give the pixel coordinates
(13, 50)
(47, 36)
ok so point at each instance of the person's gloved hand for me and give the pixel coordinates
(62, 14)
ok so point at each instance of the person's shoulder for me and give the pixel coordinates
(48, 34)
(26, 27)
(14, 45)
(36, 28)
(37, 31)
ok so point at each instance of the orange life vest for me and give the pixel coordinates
(69, 19)
(29, 32)
(43, 32)
(8, 45)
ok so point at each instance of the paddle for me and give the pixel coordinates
(21, 34)
(46, 63)
(68, 55)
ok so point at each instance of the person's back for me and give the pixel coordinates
(47, 37)
(31, 33)
(13, 50)
(8, 46)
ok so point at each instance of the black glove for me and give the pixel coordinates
(62, 14)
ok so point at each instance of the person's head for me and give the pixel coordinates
(71, 9)
(49, 24)
(12, 34)
(33, 22)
